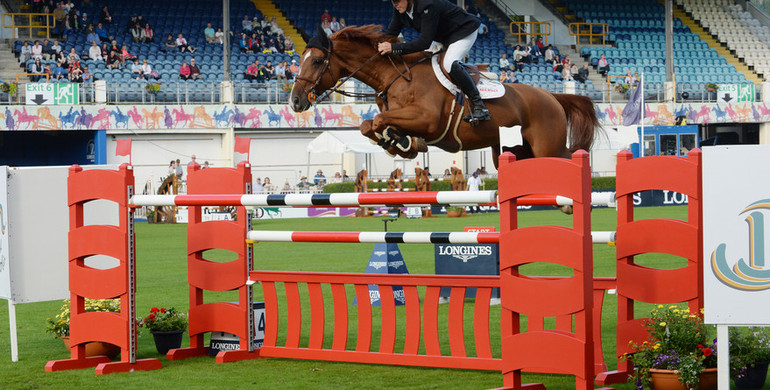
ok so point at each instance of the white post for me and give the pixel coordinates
(641, 94)
(723, 357)
(14, 336)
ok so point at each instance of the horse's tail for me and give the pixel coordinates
(581, 116)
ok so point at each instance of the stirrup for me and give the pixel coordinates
(477, 115)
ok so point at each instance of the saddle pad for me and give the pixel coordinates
(488, 88)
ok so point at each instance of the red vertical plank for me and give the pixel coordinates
(388, 305)
(430, 326)
(271, 314)
(316, 316)
(293, 315)
(481, 322)
(364, 342)
(340, 299)
(413, 326)
(455, 322)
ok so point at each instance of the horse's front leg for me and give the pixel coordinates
(390, 128)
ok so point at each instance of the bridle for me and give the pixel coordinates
(313, 98)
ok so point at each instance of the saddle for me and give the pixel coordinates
(488, 85)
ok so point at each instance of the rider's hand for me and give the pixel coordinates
(384, 48)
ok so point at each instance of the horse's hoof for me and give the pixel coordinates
(405, 143)
(391, 155)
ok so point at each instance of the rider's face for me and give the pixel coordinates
(401, 5)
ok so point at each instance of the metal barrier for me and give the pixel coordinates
(580, 30)
(47, 76)
(44, 21)
(530, 29)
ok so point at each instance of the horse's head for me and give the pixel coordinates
(314, 74)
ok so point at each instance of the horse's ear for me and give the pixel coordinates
(320, 31)
(304, 35)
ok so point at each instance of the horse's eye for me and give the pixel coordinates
(318, 61)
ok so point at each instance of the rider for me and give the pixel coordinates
(444, 22)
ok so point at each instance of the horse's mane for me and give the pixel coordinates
(371, 32)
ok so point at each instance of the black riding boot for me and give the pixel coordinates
(463, 80)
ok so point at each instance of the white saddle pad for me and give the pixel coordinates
(489, 88)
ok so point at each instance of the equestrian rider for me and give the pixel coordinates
(444, 22)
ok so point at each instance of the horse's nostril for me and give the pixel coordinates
(295, 100)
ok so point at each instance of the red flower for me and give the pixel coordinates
(707, 351)
(162, 309)
(151, 317)
(154, 310)
(699, 346)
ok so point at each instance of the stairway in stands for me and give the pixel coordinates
(269, 10)
(731, 58)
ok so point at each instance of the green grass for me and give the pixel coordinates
(162, 281)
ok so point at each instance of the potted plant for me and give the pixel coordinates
(622, 88)
(679, 353)
(749, 357)
(152, 87)
(455, 211)
(711, 87)
(150, 216)
(9, 88)
(60, 325)
(166, 326)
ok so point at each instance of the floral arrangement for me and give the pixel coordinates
(10, 88)
(286, 87)
(164, 320)
(622, 88)
(152, 87)
(679, 340)
(747, 347)
(60, 325)
(712, 86)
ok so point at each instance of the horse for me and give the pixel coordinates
(102, 118)
(223, 116)
(23, 117)
(272, 116)
(135, 117)
(415, 108)
(288, 116)
(119, 118)
(47, 120)
(239, 118)
(253, 116)
(168, 121)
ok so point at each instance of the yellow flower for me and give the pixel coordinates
(660, 306)
(685, 310)
(663, 323)
(676, 311)
(656, 346)
(672, 307)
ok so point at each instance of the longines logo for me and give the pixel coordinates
(465, 253)
(751, 275)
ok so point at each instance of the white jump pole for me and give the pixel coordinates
(14, 335)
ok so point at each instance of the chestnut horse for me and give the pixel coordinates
(415, 108)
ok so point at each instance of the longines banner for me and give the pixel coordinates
(736, 200)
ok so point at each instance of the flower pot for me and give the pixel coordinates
(454, 214)
(96, 348)
(754, 378)
(164, 341)
(669, 380)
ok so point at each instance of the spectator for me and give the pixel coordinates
(258, 187)
(280, 72)
(512, 77)
(182, 45)
(483, 30)
(209, 32)
(583, 74)
(336, 179)
(540, 45)
(59, 15)
(264, 26)
(270, 47)
(192, 161)
(219, 36)
(147, 71)
(504, 63)
(288, 46)
(48, 52)
(566, 73)
(474, 182)
(105, 16)
(102, 33)
(73, 56)
(342, 23)
(69, 6)
(37, 50)
(88, 77)
(114, 60)
(293, 69)
(549, 54)
(140, 21)
(105, 51)
(279, 44)
(255, 45)
(170, 43)
(131, 23)
(25, 53)
(243, 44)
(557, 66)
(603, 66)
(93, 37)
(184, 71)
(71, 24)
(60, 73)
(195, 72)
(36, 68)
(75, 72)
(179, 171)
(334, 24)
(48, 74)
(325, 17)
(172, 168)
(275, 29)
(136, 33)
(534, 50)
(326, 27)
(136, 69)
(147, 34)
(87, 27)
(126, 55)
(205, 165)
(319, 179)
(286, 188)
(503, 76)
(629, 79)
(267, 186)
(95, 53)
(573, 69)
(252, 71)
(303, 183)
(268, 70)
(520, 57)
(246, 25)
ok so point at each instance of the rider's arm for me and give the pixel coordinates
(428, 30)
(395, 25)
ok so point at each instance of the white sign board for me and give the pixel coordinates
(45, 93)
(5, 270)
(735, 93)
(736, 201)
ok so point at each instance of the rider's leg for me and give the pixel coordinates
(454, 54)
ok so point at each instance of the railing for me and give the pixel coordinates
(589, 30)
(530, 29)
(17, 21)
(47, 76)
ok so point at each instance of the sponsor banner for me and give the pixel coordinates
(386, 259)
(5, 257)
(467, 259)
(665, 114)
(209, 214)
(736, 204)
(223, 341)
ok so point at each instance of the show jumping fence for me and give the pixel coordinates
(571, 346)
